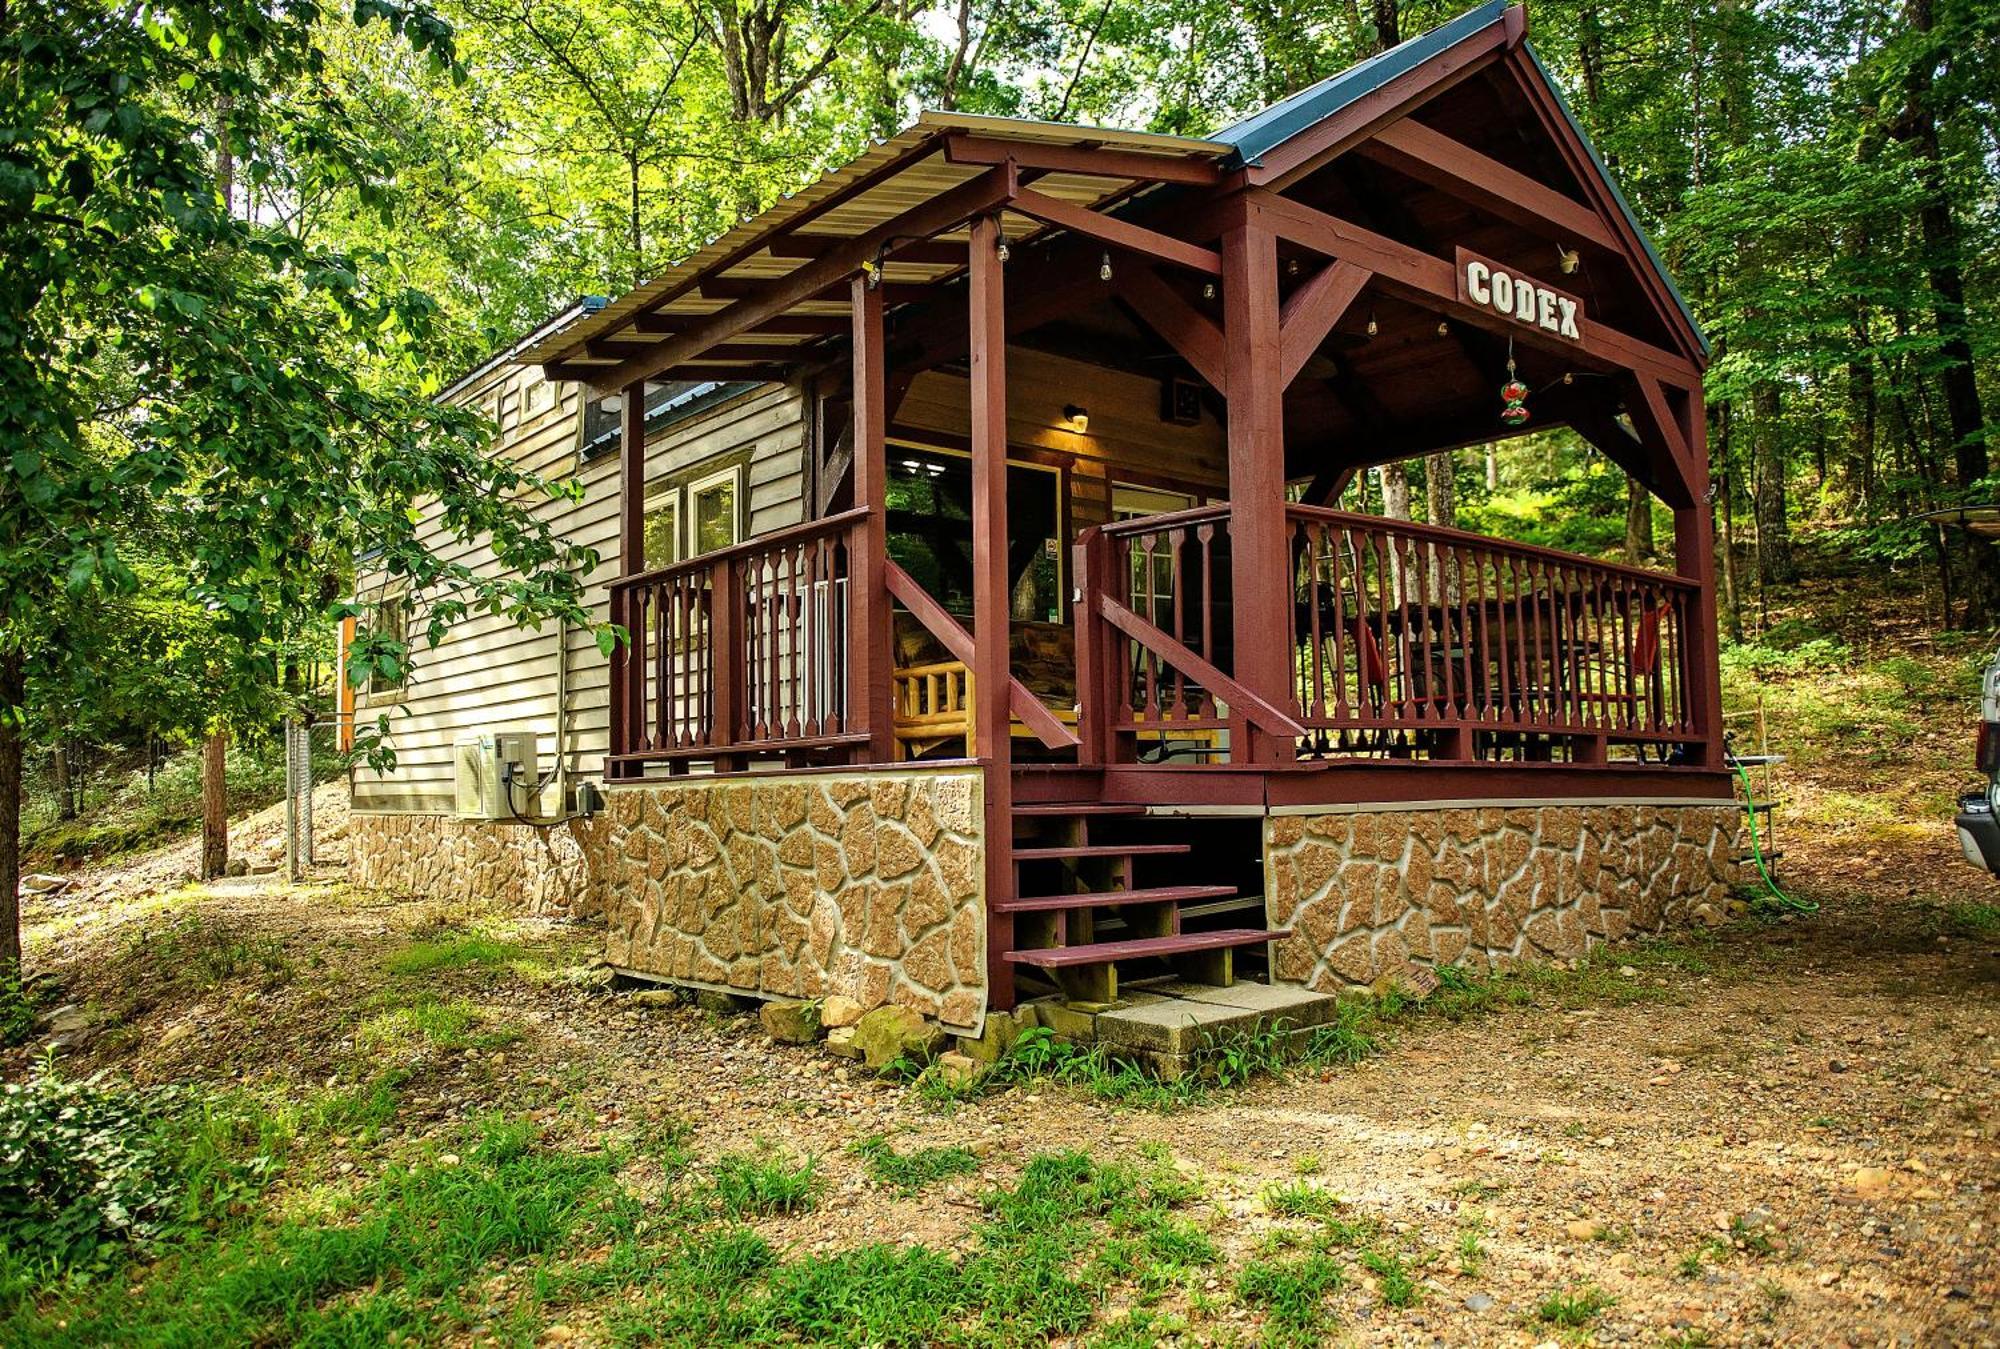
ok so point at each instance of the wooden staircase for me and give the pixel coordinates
(1078, 912)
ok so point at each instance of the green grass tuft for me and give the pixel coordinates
(908, 1173)
(744, 1183)
(1574, 1309)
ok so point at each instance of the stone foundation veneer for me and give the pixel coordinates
(515, 867)
(1367, 891)
(800, 885)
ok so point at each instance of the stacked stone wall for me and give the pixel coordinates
(515, 867)
(1367, 892)
(869, 885)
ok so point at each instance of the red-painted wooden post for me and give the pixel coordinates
(1260, 560)
(871, 659)
(628, 696)
(1694, 558)
(990, 607)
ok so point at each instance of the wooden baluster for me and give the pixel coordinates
(1315, 701)
(662, 670)
(1205, 536)
(796, 710)
(1178, 580)
(1337, 584)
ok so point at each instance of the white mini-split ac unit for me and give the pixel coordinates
(483, 762)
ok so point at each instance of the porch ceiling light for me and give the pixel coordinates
(1077, 417)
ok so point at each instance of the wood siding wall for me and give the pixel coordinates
(487, 674)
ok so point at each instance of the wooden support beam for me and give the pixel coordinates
(789, 325)
(1118, 233)
(1310, 312)
(870, 669)
(1314, 147)
(933, 252)
(612, 349)
(1259, 542)
(753, 288)
(940, 213)
(1258, 711)
(1431, 157)
(1186, 329)
(628, 693)
(1432, 281)
(1694, 558)
(1095, 160)
(991, 606)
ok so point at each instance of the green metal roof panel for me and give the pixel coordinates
(1257, 135)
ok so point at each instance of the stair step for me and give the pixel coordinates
(1103, 953)
(1082, 851)
(1065, 809)
(1103, 899)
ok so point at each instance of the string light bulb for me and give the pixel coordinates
(1001, 249)
(1373, 326)
(1208, 290)
(1566, 259)
(1104, 268)
(1444, 328)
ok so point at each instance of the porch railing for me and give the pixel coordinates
(1406, 640)
(737, 653)
(1403, 628)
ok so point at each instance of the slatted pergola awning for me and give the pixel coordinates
(762, 297)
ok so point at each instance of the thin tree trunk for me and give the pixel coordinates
(1396, 491)
(66, 796)
(1492, 467)
(214, 806)
(13, 689)
(1774, 527)
(1440, 491)
(1638, 523)
(1732, 607)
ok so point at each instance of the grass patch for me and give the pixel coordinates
(451, 952)
(908, 1173)
(207, 952)
(1574, 1309)
(427, 1021)
(1293, 1295)
(1300, 1199)
(746, 1183)
(1393, 1280)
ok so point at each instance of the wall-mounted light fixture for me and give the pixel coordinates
(1077, 417)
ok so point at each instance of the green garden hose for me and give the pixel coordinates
(1778, 896)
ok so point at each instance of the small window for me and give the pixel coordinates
(1153, 565)
(712, 512)
(663, 528)
(391, 618)
(537, 395)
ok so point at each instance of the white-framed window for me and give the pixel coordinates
(714, 512)
(1152, 567)
(663, 527)
(389, 616)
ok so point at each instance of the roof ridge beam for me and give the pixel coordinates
(991, 189)
(1437, 160)
(1118, 233)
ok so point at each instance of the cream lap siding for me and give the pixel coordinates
(488, 674)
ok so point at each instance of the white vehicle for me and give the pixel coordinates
(1978, 824)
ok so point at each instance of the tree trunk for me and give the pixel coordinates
(67, 798)
(214, 806)
(1492, 467)
(13, 689)
(1440, 491)
(1396, 491)
(1638, 523)
(1775, 565)
(1732, 607)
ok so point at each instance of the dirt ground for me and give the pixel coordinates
(1791, 1142)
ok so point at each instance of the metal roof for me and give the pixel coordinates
(1258, 134)
(910, 168)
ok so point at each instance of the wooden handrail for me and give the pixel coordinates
(1220, 685)
(954, 638)
(1465, 538)
(1153, 524)
(777, 538)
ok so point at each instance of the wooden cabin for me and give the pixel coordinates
(994, 629)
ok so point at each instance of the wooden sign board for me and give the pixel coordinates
(1496, 288)
(1419, 981)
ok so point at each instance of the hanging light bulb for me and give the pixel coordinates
(1443, 328)
(1001, 250)
(873, 271)
(1208, 290)
(1373, 326)
(1291, 266)
(1566, 258)
(1104, 268)
(1569, 377)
